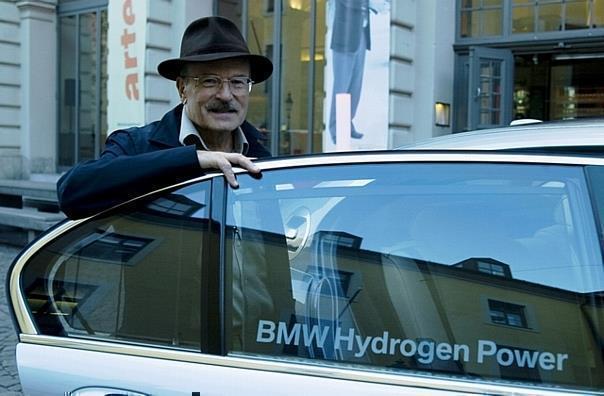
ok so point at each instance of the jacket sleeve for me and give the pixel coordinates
(121, 174)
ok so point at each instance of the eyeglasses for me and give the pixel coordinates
(237, 85)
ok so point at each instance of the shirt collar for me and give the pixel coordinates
(187, 128)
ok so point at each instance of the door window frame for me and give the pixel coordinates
(505, 60)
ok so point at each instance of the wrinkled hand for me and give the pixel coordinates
(225, 162)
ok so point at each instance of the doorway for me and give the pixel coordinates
(558, 86)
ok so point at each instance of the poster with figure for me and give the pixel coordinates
(357, 51)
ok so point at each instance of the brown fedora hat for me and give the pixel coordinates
(214, 38)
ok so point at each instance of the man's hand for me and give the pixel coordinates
(225, 162)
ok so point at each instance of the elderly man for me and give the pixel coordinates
(214, 75)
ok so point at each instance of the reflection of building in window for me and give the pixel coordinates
(507, 314)
(67, 298)
(112, 247)
(339, 239)
(486, 266)
(336, 247)
(514, 371)
(491, 268)
(346, 289)
(270, 6)
(175, 204)
(341, 280)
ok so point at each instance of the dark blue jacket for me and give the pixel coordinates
(136, 161)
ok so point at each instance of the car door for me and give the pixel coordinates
(129, 279)
(475, 273)
(128, 303)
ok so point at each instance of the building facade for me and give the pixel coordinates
(528, 59)
(71, 71)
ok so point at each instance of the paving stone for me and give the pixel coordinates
(9, 379)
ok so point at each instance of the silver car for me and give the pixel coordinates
(572, 136)
(387, 273)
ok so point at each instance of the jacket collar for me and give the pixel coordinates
(165, 132)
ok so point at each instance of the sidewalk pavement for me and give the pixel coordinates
(9, 379)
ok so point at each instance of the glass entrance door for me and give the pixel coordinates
(490, 87)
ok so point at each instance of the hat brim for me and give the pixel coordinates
(261, 67)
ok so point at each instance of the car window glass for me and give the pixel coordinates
(596, 181)
(131, 275)
(481, 270)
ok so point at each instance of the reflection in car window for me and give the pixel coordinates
(131, 275)
(481, 270)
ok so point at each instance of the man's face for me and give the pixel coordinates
(217, 109)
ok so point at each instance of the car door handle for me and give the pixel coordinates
(102, 391)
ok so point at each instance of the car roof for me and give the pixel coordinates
(577, 136)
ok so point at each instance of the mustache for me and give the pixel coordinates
(221, 107)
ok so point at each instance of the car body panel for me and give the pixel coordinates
(64, 372)
(123, 368)
(571, 135)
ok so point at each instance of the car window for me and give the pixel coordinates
(489, 271)
(596, 181)
(131, 275)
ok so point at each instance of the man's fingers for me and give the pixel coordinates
(225, 162)
(244, 162)
(227, 169)
(230, 177)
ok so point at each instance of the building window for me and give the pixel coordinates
(270, 6)
(498, 18)
(287, 109)
(82, 113)
(555, 15)
(112, 247)
(481, 18)
(491, 268)
(507, 314)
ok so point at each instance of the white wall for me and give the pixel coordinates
(10, 91)
(435, 64)
(166, 22)
(421, 67)
(28, 59)
(403, 35)
(444, 59)
(38, 113)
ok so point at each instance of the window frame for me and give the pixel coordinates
(507, 38)
(209, 266)
(508, 309)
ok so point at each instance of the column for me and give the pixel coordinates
(38, 33)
